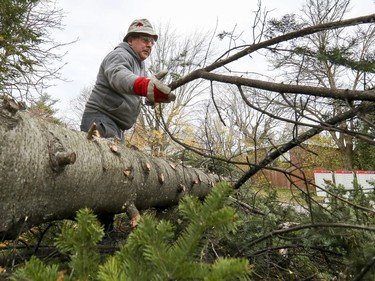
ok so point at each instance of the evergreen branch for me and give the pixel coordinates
(204, 217)
(151, 253)
(338, 59)
(34, 269)
(80, 242)
(229, 269)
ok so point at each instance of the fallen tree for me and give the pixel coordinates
(48, 172)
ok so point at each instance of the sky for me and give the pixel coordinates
(99, 25)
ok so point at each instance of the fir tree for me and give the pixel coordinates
(153, 251)
(80, 242)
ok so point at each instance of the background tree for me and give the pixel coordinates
(364, 151)
(44, 107)
(28, 53)
(340, 58)
(234, 131)
(77, 106)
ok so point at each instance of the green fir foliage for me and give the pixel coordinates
(79, 242)
(36, 270)
(153, 251)
(16, 39)
(343, 57)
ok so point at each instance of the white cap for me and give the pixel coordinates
(141, 26)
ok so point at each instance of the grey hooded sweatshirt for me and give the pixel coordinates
(113, 93)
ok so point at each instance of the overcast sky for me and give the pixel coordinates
(99, 25)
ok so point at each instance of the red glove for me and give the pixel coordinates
(153, 89)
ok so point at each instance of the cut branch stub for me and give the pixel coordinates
(64, 158)
(181, 188)
(60, 159)
(146, 167)
(58, 155)
(93, 132)
(11, 105)
(113, 147)
(161, 178)
(133, 214)
(128, 173)
(195, 182)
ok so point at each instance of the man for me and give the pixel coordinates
(115, 101)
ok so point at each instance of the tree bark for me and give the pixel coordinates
(48, 172)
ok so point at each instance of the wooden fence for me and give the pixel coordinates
(290, 178)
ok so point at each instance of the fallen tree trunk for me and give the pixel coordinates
(48, 172)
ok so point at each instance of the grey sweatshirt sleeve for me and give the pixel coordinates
(119, 71)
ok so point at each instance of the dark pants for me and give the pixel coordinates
(105, 125)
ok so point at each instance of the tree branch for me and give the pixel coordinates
(254, 47)
(341, 94)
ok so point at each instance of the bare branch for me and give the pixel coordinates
(342, 94)
(365, 107)
(252, 48)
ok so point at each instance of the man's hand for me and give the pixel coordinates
(153, 89)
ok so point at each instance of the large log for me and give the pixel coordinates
(48, 172)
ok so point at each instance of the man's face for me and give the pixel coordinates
(142, 45)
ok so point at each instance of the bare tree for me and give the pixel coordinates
(77, 106)
(235, 131)
(332, 59)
